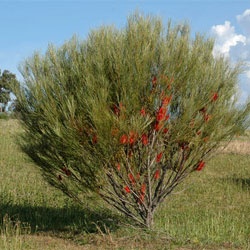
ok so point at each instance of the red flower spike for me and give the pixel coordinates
(167, 117)
(162, 112)
(154, 80)
(215, 96)
(143, 188)
(144, 139)
(201, 165)
(143, 112)
(124, 139)
(165, 130)
(157, 174)
(203, 110)
(207, 118)
(121, 106)
(172, 80)
(114, 131)
(131, 178)
(94, 139)
(116, 109)
(59, 177)
(127, 189)
(129, 153)
(118, 166)
(206, 139)
(141, 197)
(165, 101)
(199, 132)
(162, 93)
(158, 157)
(158, 126)
(138, 176)
(131, 140)
(66, 171)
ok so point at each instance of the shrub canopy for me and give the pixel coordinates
(128, 113)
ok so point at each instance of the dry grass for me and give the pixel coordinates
(237, 147)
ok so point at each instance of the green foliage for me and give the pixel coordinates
(128, 114)
(7, 83)
(4, 116)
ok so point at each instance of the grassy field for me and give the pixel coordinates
(212, 213)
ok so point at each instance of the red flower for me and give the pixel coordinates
(144, 139)
(206, 139)
(207, 118)
(143, 188)
(154, 80)
(131, 140)
(66, 171)
(114, 131)
(131, 177)
(172, 80)
(199, 132)
(118, 166)
(138, 176)
(158, 126)
(143, 111)
(167, 117)
(59, 177)
(203, 110)
(215, 96)
(162, 93)
(127, 189)
(165, 130)
(200, 166)
(129, 153)
(116, 109)
(166, 100)
(157, 174)
(141, 198)
(94, 139)
(158, 157)
(124, 139)
(162, 112)
(182, 145)
(133, 137)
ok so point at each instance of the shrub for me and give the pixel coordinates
(4, 116)
(128, 114)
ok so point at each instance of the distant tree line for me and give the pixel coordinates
(8, 81)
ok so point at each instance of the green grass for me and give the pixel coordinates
(212, 213)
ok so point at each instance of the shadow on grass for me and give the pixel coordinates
(62, 220)
(242, 182)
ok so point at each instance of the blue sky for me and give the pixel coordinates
(28, 25)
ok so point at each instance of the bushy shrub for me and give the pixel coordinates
(128, 114)
(4, 116)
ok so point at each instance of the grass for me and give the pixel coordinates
(213, 213)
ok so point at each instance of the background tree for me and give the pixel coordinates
(7, 81)
(128, 114)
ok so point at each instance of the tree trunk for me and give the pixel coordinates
(150, 220)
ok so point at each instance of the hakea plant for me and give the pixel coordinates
(128, 114)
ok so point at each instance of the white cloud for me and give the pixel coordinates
(226, 38)
(244, 21)
(236, 46)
